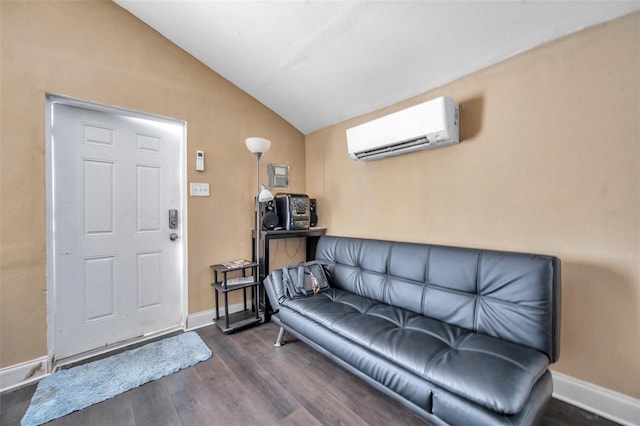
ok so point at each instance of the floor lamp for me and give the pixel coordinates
(259, 146)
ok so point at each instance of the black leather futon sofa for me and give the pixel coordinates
(460, 336)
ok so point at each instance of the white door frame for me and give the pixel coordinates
(50, 100)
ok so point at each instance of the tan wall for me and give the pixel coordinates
(549, 162)
(98, 51)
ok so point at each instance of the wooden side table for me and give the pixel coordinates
(239, 280)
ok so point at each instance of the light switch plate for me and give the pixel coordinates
(199, 189)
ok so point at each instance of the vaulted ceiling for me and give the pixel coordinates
(317, 63)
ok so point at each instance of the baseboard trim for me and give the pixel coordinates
(604, 402)
(205, 318)
(22, 374)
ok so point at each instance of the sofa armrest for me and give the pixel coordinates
(275, 289)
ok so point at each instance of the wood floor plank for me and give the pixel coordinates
(264, 392)
(319, 378)
(190, 397)
(14, 403)
(153, 405)
(304, 388)
(115, 411)
(560, 413)
(300, 417)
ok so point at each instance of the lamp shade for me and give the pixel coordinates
(265, 195)
(258, 145)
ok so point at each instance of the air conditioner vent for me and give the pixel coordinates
(391, 150)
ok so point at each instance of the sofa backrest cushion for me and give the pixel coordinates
(512, 296)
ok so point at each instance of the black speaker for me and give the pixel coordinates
(313, 219)
(269, 216)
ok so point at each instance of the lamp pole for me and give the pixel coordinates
(258, 146)
(258, 215)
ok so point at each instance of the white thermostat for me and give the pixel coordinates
(200, 161)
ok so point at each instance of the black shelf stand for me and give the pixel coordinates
(224, 284)
(312, 235)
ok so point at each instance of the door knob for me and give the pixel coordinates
(173, 236)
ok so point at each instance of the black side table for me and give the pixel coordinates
(224, 284)
(312, 235)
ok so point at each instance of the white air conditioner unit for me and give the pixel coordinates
(427, 125)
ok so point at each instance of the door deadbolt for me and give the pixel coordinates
(173, 219)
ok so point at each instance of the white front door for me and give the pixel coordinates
(117, 273)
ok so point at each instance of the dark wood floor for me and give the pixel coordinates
(249, 381)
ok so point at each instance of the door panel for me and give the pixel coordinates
(149, 279)
(98, 287)
(98, 197)
(148, 198)
(117, 274)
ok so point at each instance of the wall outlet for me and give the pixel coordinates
(199, 189)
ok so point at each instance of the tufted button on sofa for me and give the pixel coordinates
(460, 336)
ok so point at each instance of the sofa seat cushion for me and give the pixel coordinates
(488, 371)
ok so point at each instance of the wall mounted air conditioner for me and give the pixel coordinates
(427, 125)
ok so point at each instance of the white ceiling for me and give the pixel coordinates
(317, 63)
